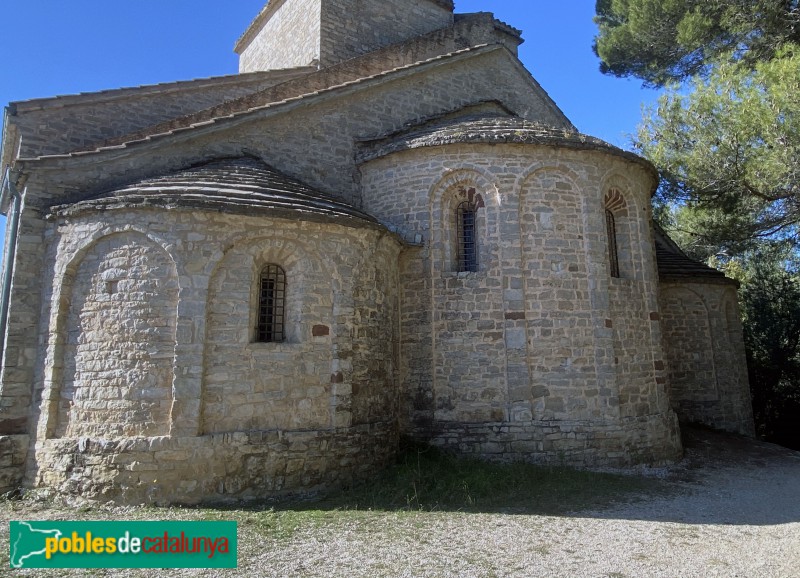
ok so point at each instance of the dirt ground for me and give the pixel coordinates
(732, 509)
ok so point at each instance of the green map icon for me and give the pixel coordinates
(123, 544)
(28, 542)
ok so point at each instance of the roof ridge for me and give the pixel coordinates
(413, 51)
(492, 127)
(204, 119)
(126, 91)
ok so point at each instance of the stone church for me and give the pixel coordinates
(243, 286)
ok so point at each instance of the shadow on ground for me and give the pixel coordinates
(723, 479)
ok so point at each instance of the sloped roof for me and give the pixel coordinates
(63, 124)
(674, 264)
(239, 185)
(493, 128)
(266, 100)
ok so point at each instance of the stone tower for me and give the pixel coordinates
(292, 33)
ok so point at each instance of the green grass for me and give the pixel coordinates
(426, 479)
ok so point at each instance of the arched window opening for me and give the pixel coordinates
(271, 305)
(467, 237)
(613, 251)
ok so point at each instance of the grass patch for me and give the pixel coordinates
(283, 524)
(422, 479)
(427, 479)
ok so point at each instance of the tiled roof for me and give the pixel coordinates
(263, 101)
(91, 98)
(241, 185)
(675, 264)
(70, 123)
(491, 128)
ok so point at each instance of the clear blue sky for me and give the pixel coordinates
(50, 47)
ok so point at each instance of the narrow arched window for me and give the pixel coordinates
(466, 237)
(271, 305)
(613, 252)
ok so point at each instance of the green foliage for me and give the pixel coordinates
(727, 144)
(770, 301)
(661, 41)
(729, 153)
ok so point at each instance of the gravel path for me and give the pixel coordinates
(735, 511)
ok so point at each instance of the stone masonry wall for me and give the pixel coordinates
(301, 32)
(13, 453)
(375, 338)
(469, 31)
(117, 368)
(633, 305)
(705, 353)
(214, 468)
(534, 356)
(321, 154)
(246, 419)
(289, 37)
(353, 27)
(21, 349)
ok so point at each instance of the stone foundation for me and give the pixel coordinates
(216, 468)
(13, 451)
(564, 443)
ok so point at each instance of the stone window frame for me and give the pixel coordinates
(613, 249)
(453, 199)
(304, 269)
(466, 238)
(271, 304)
(617, 225)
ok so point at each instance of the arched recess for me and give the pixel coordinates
(729, 346)
(632, 222)
(253, 386)
(119, 330)
(618, 234)
(462, 347)
(690, 350)
(559, 313)
(551, 207)
(458, 189)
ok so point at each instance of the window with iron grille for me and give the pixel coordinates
(271, 305)
(613, 253)
(466, 237)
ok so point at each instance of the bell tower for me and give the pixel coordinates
(291, 33)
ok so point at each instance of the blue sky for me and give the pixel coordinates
(50, 47)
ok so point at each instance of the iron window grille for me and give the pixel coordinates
(466, 237)
(613, 252)
(271, 305)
